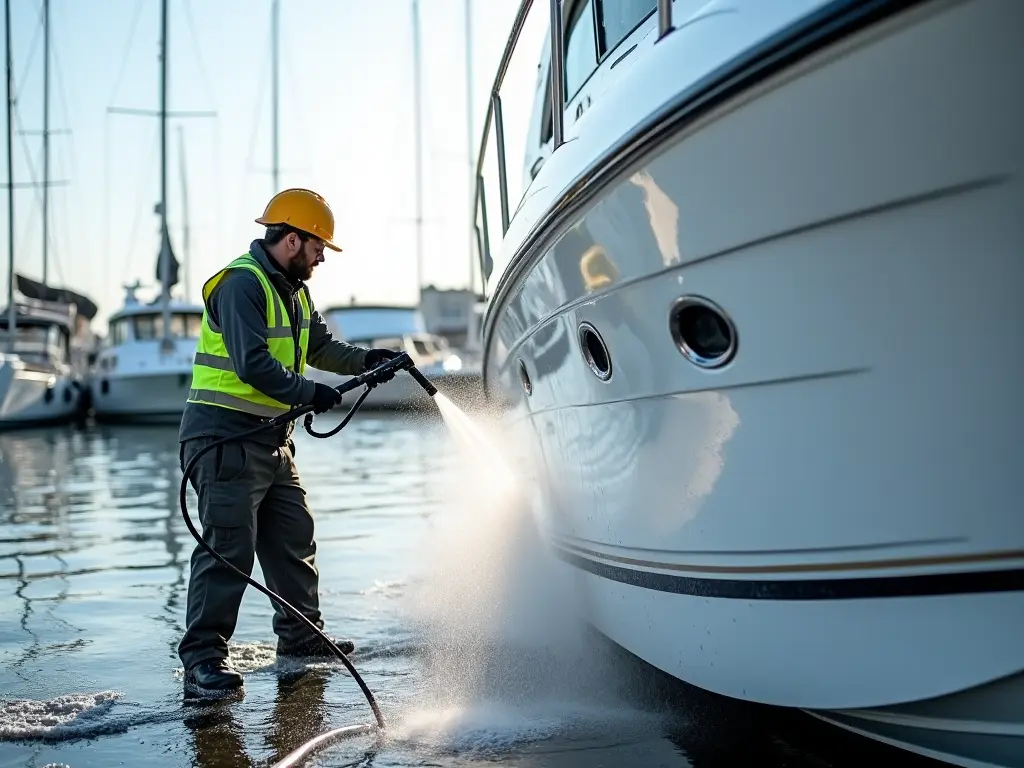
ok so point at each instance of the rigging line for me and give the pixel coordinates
(31, 50)
(106, 199)
(145, 169)
(217, 163)
(32, 179)
(62, 93)
(51, 230)
(58, 78)
(294, 84)
(24, 140)
(197, 50)
(127, 50)
(28, 155)
(261, 93)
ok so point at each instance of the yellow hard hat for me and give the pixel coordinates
(303, 209)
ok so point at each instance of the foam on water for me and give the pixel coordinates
(72, 715)
(262, 659)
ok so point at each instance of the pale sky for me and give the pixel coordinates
(346, 130)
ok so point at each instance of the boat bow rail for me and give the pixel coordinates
(494, 116)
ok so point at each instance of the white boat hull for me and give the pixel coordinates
(159, 395)
(29, 397)
(832, 520)
(139, 374)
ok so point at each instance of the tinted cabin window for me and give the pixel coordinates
(580, 50)
(177, 326)
(547, 126)
(146, 328)
(617, 18)
(118, 332)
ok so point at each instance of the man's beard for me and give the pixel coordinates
(300, 270)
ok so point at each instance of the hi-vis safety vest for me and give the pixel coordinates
(214, 381)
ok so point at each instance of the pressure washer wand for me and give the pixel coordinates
(421, 379)
(383, 372)
(371, 378)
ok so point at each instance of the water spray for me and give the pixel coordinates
(368, 379)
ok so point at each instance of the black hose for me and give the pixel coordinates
(308, 423)
(279, 421)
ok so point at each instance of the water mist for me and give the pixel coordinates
(507, 659)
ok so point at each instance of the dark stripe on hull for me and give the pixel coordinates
(920, 585)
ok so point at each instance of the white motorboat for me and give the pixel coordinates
(401, 329)
(38, 384)
(754, 313)
(139, 373)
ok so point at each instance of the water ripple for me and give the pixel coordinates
(94, 568)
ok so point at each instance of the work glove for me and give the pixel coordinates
(324, 397)
(375, 357)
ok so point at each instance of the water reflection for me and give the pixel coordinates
(217, 737)
(144, 461)
(93, 572)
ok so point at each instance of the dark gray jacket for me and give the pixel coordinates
(239, 307)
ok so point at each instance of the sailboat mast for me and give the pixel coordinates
(275, 18)
(184, 210)
(470, 137)
(46, 140)
(418, 128)
(11, 314)
(165, 241)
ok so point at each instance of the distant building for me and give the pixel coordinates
(448, 312)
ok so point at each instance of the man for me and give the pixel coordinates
(259, 331)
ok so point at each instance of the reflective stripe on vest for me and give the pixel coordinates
(214, 381)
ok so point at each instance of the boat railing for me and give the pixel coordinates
(495, 116)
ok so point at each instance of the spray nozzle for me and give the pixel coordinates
(422, 380)
(387, 369)
(404, 362)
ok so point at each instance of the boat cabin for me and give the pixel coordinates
(42, 339)
(146, 323)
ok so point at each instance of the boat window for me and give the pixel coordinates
(118, 332)
(39, 343)
(150, 327)
(183, 326)
(177, 326)
(580, 48)
(547, 129)
(616, 19)
(421, 348)
(194, 326)
(146, 329)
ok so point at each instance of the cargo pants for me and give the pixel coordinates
(251, 504)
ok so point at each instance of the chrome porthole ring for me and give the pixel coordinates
(595, 351)
(703, 332)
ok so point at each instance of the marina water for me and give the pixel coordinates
(429, 559)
